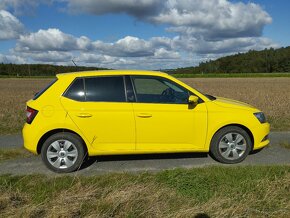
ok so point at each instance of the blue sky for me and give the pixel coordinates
(140, 34)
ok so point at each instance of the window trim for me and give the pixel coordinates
(160, 77)
(128, 83)
(125, 88)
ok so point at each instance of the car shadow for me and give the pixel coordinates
(132, 157)
(256, 151)
(91, 160)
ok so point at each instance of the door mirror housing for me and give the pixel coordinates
(192, 99)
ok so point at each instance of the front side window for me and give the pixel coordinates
(159, 90)
(105, 89)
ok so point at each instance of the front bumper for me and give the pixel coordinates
(261, 136)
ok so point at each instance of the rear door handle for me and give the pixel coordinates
(144, 115)
(84, 115)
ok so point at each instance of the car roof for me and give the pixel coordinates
(111, 72)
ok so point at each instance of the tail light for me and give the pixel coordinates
(30, 114)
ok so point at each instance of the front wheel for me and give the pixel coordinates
(230, 145)
(63, 152)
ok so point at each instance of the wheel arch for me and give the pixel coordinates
(242, 127)
(54, 131)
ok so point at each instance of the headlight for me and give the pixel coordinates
(260, 116)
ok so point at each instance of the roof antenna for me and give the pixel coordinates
(74, 63)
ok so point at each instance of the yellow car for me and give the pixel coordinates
(136, 112)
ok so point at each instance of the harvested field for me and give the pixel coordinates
(271, 95)
(14, 93)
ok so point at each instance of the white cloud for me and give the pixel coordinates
(225, 46)
(15, 59)
(54, 46)
(162, 53)
(10, 26)
(56, 40)
(214, 19)
(205, 29)
(131, 47)
(211, 19)
(20, 7)
(51, 40)
(50, 56)
(91, 58)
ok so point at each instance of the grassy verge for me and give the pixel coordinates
(230, 75)
(213, 191)
(279, 123)
(285, 145)
(13, 153)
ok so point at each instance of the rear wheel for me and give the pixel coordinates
(230, 145)
(63, 152)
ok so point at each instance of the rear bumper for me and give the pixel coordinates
(29, 141)
(261, 136)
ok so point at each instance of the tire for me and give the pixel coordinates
(63, 152)
(230, 145)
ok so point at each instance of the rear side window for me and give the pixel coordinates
(38, 94)
(76, 90)
(105, 89)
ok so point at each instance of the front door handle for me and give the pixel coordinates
(144, 115)
(84, 115)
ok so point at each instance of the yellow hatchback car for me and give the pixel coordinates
(136, 112)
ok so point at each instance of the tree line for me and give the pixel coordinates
(265, 61)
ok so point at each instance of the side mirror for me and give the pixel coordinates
(193, 99)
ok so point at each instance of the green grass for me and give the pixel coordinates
(255, 191)
(285, 145)
(229, 75)
(13, 153)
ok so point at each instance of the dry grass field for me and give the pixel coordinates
(13, 94)
(272, 95)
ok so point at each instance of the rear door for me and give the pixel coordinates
(98, 106)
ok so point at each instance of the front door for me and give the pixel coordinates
(164, 119)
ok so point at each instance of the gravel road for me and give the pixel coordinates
(274, 154)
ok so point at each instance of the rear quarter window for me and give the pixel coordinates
(76, 90)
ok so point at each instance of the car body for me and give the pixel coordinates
(136, 112)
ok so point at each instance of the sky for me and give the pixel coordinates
(138, 34)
